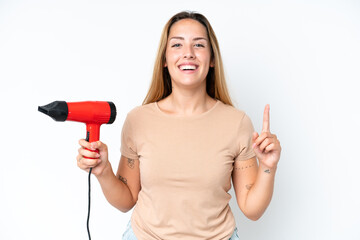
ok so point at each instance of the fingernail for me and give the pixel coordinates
(254, 144)
(97, 155)
(99, 161)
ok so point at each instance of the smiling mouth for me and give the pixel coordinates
(187, 67)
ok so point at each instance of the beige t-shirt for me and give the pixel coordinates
(185, 170)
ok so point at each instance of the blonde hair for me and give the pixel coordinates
(160, 86)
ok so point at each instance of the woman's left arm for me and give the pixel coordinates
(253, 183)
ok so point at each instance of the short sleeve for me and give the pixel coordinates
(245, 132)
(128, 146)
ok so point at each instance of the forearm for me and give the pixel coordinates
(259, 196)
(116, 192)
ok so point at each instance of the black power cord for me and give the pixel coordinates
(89, 198)
(88, 217)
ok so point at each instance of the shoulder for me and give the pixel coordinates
(141, 109)
(234, 117)
(231, 112)
(138, 112)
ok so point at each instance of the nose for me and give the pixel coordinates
(189, 52)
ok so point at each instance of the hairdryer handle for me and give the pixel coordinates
(87, 139)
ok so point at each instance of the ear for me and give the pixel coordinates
(212, 63)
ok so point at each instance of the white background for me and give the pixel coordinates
(302, 57)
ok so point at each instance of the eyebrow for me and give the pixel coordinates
(195, 39)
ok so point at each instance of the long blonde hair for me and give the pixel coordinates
(160, 86)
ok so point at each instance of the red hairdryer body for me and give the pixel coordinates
(92, 113)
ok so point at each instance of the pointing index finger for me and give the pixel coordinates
(266, 120)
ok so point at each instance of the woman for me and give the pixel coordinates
(181, 148)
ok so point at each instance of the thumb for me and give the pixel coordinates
(255, 135)
(101, 146)
(97, 145)
(93, 145)
(256, 149)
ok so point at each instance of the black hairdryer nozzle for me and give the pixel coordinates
(57, 110)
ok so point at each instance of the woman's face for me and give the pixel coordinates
(188, 55)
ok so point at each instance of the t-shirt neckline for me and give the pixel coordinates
(186, 117)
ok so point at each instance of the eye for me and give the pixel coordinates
(199, 45)
(176, 45)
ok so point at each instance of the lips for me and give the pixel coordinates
(188, 67)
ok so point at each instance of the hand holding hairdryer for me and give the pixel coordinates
(93, 156)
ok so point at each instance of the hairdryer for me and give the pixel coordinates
(92, 113)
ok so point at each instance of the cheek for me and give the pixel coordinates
(204, 56)
(171, 58)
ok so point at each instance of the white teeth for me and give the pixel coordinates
(187, 67)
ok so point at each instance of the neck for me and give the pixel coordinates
(189, 101)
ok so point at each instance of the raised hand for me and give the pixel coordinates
(266, 146)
